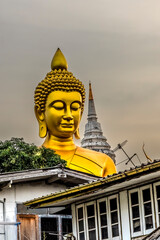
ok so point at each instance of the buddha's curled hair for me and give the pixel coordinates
(57, 80)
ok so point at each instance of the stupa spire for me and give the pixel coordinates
(93, 135)
(91, 107)
(90, 92)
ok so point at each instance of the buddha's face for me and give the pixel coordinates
(63, 113)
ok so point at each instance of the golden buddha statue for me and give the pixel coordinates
(59, 104)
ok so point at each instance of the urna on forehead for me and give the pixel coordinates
(59, 79)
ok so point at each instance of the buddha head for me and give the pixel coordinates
(59, 101)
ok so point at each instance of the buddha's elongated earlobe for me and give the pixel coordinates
(41, 121)
(76, 134)
(42, 129)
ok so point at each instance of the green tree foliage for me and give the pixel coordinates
(17, 155)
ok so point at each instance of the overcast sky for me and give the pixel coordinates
(115, 44)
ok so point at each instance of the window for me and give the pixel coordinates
(141, 211)
(91, 221)
(157, 201)
(113, 205)
(108, 214)
(105, 217)
(49, 228)
(135, 212)
(147, 208)
(80, 217)
(55, 227)
(66, 226)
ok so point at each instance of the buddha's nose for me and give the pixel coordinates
(68, 115)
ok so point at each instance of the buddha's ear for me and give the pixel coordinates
(41, 121)
(76, 134)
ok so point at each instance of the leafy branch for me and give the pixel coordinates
(17, 155)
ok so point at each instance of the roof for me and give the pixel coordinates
(128, 178)
(153, 235)
(58, 173)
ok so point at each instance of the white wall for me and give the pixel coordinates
(20, 193)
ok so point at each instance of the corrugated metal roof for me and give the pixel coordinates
(153, 235)
(92, 186)
(68, 176)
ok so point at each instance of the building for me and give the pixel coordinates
(93, 135)
(17, 187)
(122, 206)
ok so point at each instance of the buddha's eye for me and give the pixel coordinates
(58, 105)
(75, 106)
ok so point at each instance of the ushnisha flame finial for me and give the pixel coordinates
(59, 61)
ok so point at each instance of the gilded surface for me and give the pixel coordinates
(59, 104)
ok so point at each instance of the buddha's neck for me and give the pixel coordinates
(57, 143)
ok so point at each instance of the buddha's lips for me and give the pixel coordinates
(67, 125)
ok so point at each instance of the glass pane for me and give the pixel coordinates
(149, 222)
(147, 208)
(136, 225)
(103, 220)
(102, 207)
(104, 232)
(81, 236)
(158, 191)
(135, 212)
(90, 210)
(81, 226)
(115, 230)
(66, 225)
(114, 217)
(92, 235)
(113, 204)
(134, 198)
(158, 205)
(49, 225)
(80, 213)
(146, 195)
(91, 223)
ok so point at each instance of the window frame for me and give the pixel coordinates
(143, 231)
(156, 203)
(135, 234)
(99, 220)
(147, 231)
(86, 218)
(78, 232)
(118, 212)
(108, 212)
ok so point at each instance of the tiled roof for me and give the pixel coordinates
(94, 185)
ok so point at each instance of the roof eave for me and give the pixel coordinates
(90, 188)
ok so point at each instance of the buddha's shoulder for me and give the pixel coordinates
(93, 162)
(92, 155)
